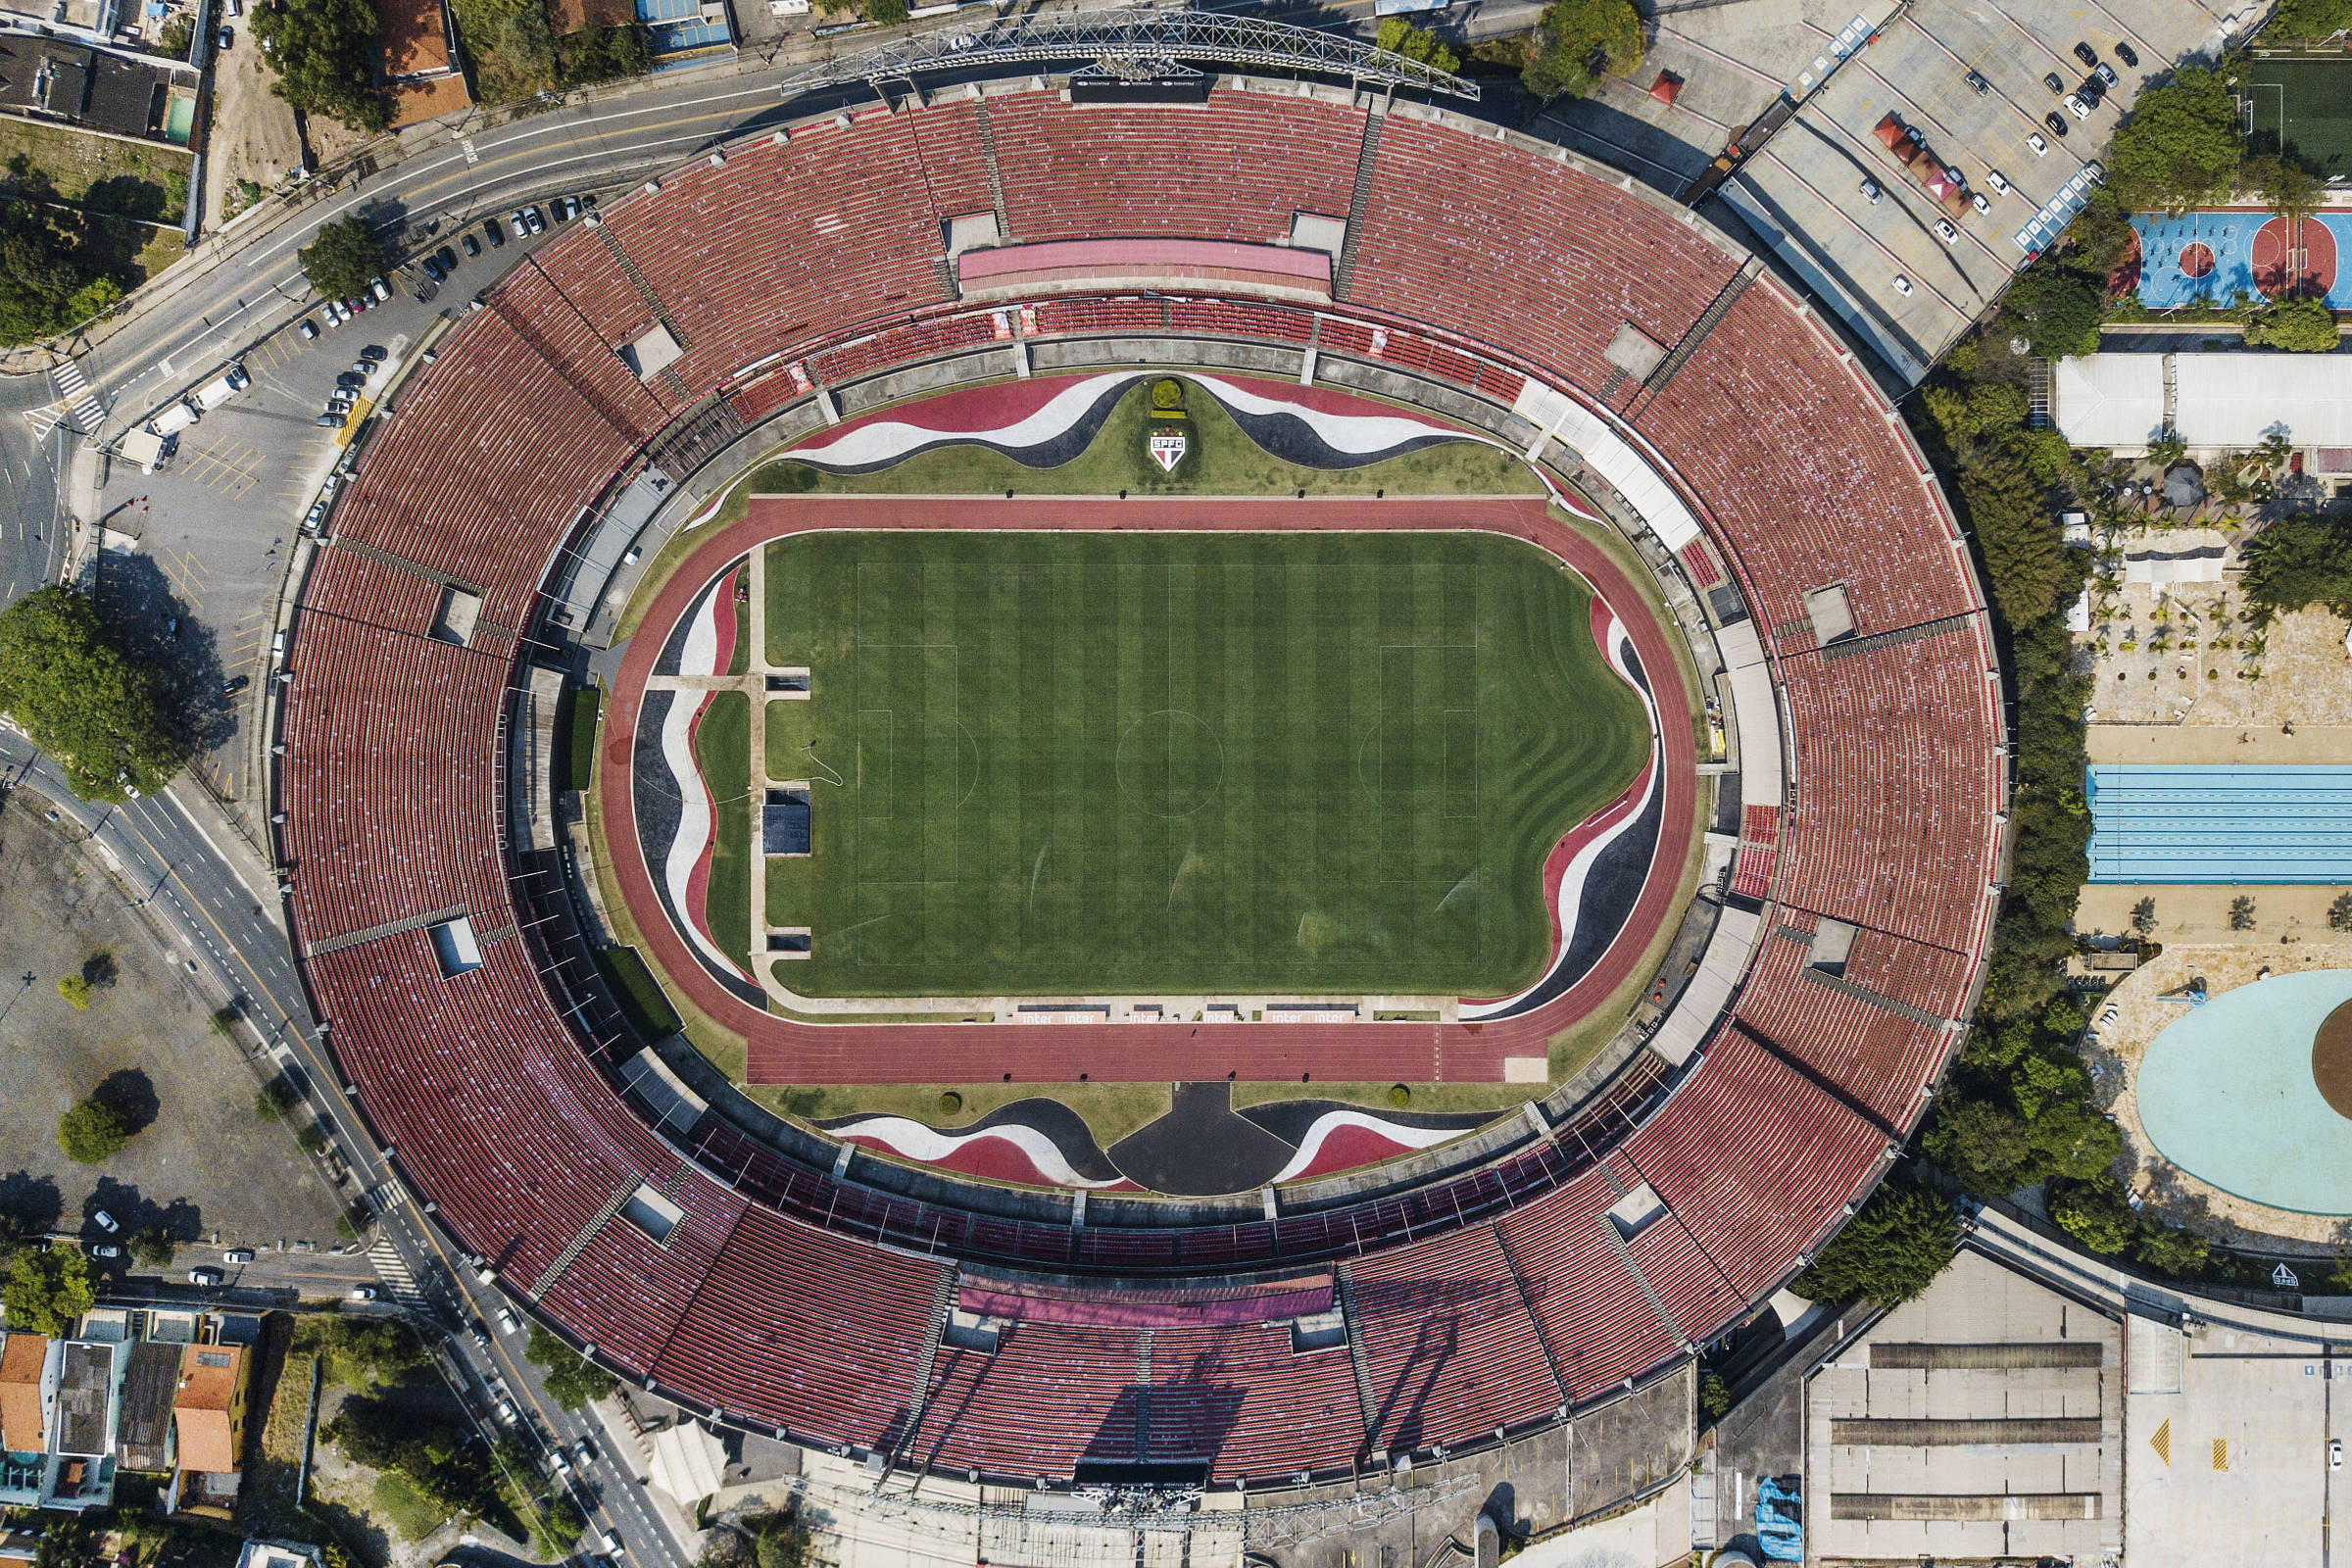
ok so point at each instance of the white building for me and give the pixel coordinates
(2125, 400)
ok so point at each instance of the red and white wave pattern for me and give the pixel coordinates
(1010, 1151)
(1341, 1140)
(1572, 858)
(686, 870)
(1031, 414)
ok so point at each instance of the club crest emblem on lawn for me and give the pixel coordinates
(1167, 443)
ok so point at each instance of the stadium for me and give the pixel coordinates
(1720, 528)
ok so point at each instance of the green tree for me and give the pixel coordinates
(2143, 916)
(1889, 1251)
(2058, 312)
(2093, 1213)
(80, 698)
(325, 53)
(93, 1132)
(274, 1099)
(2306, 326)
(2288, 188)
(778, 1540)
(43, 261)
(1425, 45)
(571, 1379)
(1714, 1395)
(1576, 41)
(178, 33)
(605, 54)
(2241, 914)
(75, 991)
(2299, 561)
(152, 1247)
(2339, 913)
(344, 258)
(2180, 146)
(48, 1289)
(1987, 1146)
(889, 13)
(2296, 20)
(2171, 1249)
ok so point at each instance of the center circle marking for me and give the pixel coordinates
(1170, 763)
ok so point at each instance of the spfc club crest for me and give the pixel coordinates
(1168, 447)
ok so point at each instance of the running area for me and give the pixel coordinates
(1173, 763)
(2211, 258)
(2270, 824)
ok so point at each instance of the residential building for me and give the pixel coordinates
(143, 1433)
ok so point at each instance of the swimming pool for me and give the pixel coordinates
(2226, 1094)
(2274, 825)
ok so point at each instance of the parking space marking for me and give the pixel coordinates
(232, 468)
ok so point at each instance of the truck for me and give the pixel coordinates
(221, 388)
(176, 415)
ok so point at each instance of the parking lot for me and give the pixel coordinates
(1970, 83)
(201, 545)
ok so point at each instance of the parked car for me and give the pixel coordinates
(431, 268)
(373, 354)
(2057, 126)
(1975, 80)
(2335, 1454)
(533, 222)
(351, 382)
(2054, 81)
(2042, 148)
(224, 38)
(1902, 285)
(496, 235)
(363, 1292)
(507, 1323)
(611, 1541)
(584, 1451)
(105, 1249)
(237, 1255)
(447, 257)
(2103, 74)
(380, 289)
(1998, 180)
(207, 1278)
(1978, 200)
(329, 422)
(1945, 232)
(307, 331)
(2086, 54)
(104, 1222)
(471, 246)
(233, 685)
(1871, 192)
(2126, 54)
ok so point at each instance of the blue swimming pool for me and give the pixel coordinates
(2281, 823)
(2225, 1092)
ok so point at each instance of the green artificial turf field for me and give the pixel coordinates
(1182, 762)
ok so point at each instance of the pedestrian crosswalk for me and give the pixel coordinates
(88, 413)
(393, 1270)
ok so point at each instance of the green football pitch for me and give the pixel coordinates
(1054, 763)
(2303, 106)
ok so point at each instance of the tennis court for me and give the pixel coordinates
(2274, 825)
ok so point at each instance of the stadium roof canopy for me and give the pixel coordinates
(1134, 42)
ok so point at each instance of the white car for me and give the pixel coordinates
(1998, 180)
(1977, 199)
(2335, 1454)
(507, 1323)
(2075, 106)
(363, 1292)
(104, 1222)
(1871, 192)
(1945, 232)
(237, 1255)
(2041, 149)
(207, 1278)
(1902, 285)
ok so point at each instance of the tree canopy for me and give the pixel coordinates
(2306, 326)
(48, 1289)
(605, 54)
(2297, 561)
(80, 698)
(343, 260)
(571, 1379)
(1425, 45)
(93, 1132)
(1576, 41)
(1889, 1251)
(53, 276)
(2180, 147)
(2288, 188)
(324, 54)
(2308, 18)
(2057, 309)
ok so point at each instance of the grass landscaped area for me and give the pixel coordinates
(721, 746)
(100, 174)
(1173, 763)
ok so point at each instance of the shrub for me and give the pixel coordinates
(950, 1103)
(92, 1132)
(1400, 1095)
(889, 13)
(2241, 914)
(2339, 913)
(2093, 1213)
(1714, 1395)
(274, 1099)
(76, 991)
(152, 1247)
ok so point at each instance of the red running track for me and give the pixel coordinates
(782, 1051)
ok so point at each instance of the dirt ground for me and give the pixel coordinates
(252, 134)
(204, 1164)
